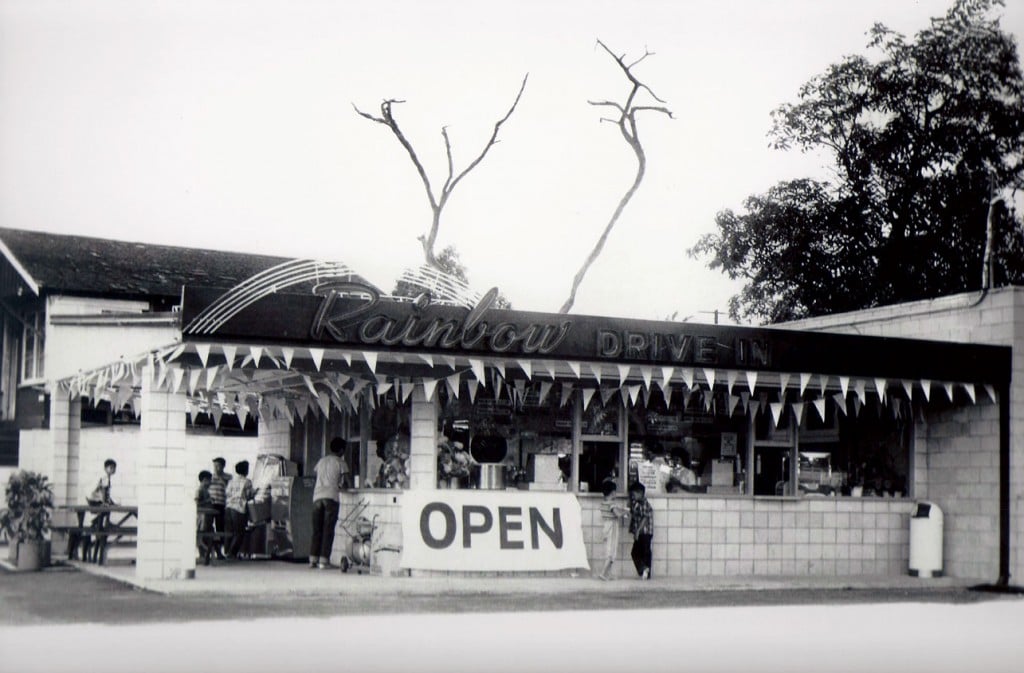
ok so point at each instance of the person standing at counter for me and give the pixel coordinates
(239, 493)
(218, 499)
(331, 477)
(641, 525)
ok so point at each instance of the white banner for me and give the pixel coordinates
(477, 530)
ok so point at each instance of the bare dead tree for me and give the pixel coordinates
(437, 202)
(626, 122)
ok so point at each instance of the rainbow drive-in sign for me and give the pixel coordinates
(476, 530)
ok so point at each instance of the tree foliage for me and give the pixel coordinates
(927, 145)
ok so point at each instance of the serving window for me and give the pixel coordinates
(695, 442)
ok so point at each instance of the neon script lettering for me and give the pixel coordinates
(415, 329)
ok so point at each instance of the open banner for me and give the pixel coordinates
(475, 530)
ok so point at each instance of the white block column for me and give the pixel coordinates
(167, 510)
(65, 430)
(423, 441)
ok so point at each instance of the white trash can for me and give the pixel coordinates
(926, 540)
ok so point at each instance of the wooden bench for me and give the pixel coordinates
(93, 540)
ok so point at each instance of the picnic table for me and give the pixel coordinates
(94, 536)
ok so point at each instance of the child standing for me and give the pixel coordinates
(641, 525)
(204, 519)
(611, 514)
(239, 493)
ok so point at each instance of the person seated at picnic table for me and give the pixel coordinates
(239, 493)
(204, 519)
(100, 494)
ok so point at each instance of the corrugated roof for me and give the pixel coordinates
(96, 266)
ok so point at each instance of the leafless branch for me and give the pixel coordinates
(628, 128)
(437, 203)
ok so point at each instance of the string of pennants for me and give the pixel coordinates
(220, 388)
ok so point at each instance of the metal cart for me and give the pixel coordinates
(360, 531)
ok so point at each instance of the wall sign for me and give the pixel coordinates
(476, 530)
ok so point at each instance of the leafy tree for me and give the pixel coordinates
(927, 148)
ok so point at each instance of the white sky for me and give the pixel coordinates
(229, 125)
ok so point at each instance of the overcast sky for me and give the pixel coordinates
(230, 125)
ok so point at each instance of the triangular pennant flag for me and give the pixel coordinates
(229, 356)
(596, 370)
(575, 367)
(949, 390)
(971, 391)
(211, 375)
(880, 384)
(177, 374)
(706, 399)
(347, 357)
(472, 385)
(453, 383)
(819, 405)
(623, 373)
(309, 384)
(550, 366)
(566, 393)
(666, 376)
(840, 401)
(730, 380)
(991, 392)
(734, 400)
(645, 396)
(406, 390)
(804, 380)
(428, 388)
(844, 385)
(751, 380)
(709, 375)
(545, 388)
(448, 360)
(687, 373)
(587, 394)
(318, 357)
(426, 357)
(217, 413)
(857, 404)
(176, 353)
(607, 393)
(162, 375)
(520, 387)
(860, 385)
(478, 369)
(371, 360)
(646, 373)
(527, 367)
(257, 354)
(823, 384)
(908, 388)
(745, 402)
(926, 387)
(798, 410)
(499, 367)
(193, 380)
(633, 391)
(287, 354)
(383, 387)
(203, 351)
(324, 400)
(784, 382)
(776, 410)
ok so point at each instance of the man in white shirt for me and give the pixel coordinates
(331, 477)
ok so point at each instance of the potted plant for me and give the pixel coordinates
(26, 519)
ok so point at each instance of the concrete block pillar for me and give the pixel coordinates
(65, 430)
(423, 441)
(167, 509)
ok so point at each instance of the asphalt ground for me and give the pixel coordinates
(72, 594)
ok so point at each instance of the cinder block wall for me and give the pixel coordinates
(960, 447)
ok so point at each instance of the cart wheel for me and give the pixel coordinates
(344, 564)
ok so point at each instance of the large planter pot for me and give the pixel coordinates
(33, 555)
